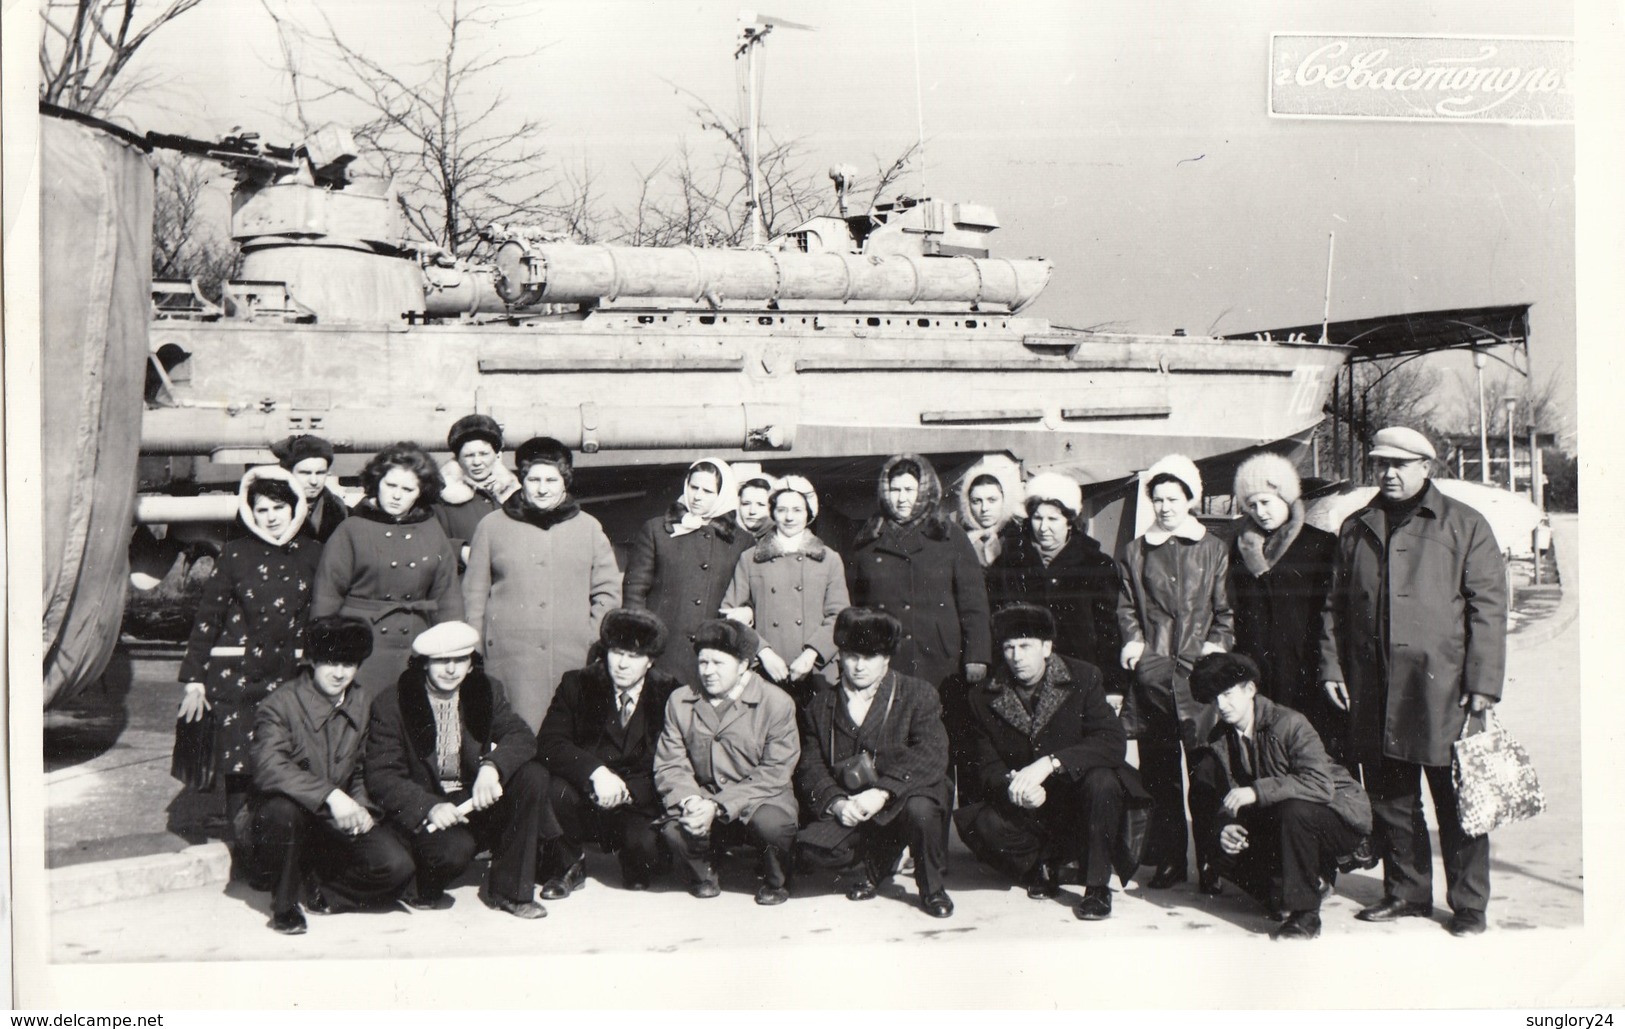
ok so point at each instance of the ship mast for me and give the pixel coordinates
(753, 30)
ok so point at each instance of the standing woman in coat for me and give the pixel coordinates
(683, 560)
(912, 562)
(541, 574)
(1057, 565)
(390, 563)
(793, 586)
(250, 624)
(1173, 606)
(1280, 573)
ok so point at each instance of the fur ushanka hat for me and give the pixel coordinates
(862, 630)
(638, 632)
(337, 640)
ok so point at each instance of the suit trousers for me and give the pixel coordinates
(770, 830)
(1401, 836)
(921, 825)
(510, 828)
(1077, 821)
(1290, 846)
(355, 871)
(626, 830)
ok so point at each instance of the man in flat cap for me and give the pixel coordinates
(450, 763)
(1413, 643)
(597, 743)
(874, 765)
(476, 480)
(1050, 755)
(310, 810)
(1283, 814)
(724, 764)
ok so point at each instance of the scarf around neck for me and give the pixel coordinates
(1261, 551)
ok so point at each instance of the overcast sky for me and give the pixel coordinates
(1127, 142)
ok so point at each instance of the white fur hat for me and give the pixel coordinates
(1057, 487)
(1267, 473)
(1181, 468)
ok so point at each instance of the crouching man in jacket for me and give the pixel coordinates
(1284, 812)
(1050, 759)
(598, 746)
(450, 762)
(724, 763)
(310, 812)
(874, 765)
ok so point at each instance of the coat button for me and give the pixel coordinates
(798, 589)
(388, 532)
(705, 564)
(408, 535)
(394, 564)
(798, 621)
(696, 601)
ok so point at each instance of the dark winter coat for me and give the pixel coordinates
(249, 629)
(582, 731)
(1444, 582)
(681, 579)
(1278, 616)
(1080, 589)
(1292, 765)
(403, 778)
(305, 748)
(1071, 721)
(908, 743)
(326, 514)
(400, 577)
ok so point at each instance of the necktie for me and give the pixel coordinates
(626, 706)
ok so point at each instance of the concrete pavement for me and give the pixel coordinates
(1537, 876)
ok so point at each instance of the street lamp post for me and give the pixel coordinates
(1512, 465)
(1483, 427)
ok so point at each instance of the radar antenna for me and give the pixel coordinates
(753, 30)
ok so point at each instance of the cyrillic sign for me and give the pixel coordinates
(1422, 78)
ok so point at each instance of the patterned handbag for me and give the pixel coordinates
(1495, 783)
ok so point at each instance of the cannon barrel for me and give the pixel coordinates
(531, 273)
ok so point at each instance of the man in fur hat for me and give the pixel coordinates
(866, 812)
(1282, 812)
(1050, 755)
(724, 763)
(597, 743)
(310, 806)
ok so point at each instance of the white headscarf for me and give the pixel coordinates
(726, 502)
(245, 510)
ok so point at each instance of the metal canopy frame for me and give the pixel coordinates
(1406, 337)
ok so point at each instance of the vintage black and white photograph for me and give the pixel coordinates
(661, 485)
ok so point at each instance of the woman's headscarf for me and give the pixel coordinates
(1008, 475)
(727, 499)
(245, 510)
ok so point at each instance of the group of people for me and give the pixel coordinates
(457, 664)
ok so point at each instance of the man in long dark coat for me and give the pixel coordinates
(897, 721)
(598, 746)
(1050, 753)
(1413, 642)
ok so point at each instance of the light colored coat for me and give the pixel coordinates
(742, 758)
(795, 595)
(537, 595)
(1445, 634)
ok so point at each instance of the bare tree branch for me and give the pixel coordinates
(77, 74)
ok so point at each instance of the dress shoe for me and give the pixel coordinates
(1467, 923)
(318, 904)
(430, 902)
(1390, 908)
(637, 883)
(526, 909)
(565, 883)
(1299, 925)
(1168, 875)
(1362, 857)
(1210, 882)
(289, 923)
(1096, 905)
(705, 889)
(768, 896)
(863, 889)
(938, 904)
(1042, 882)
